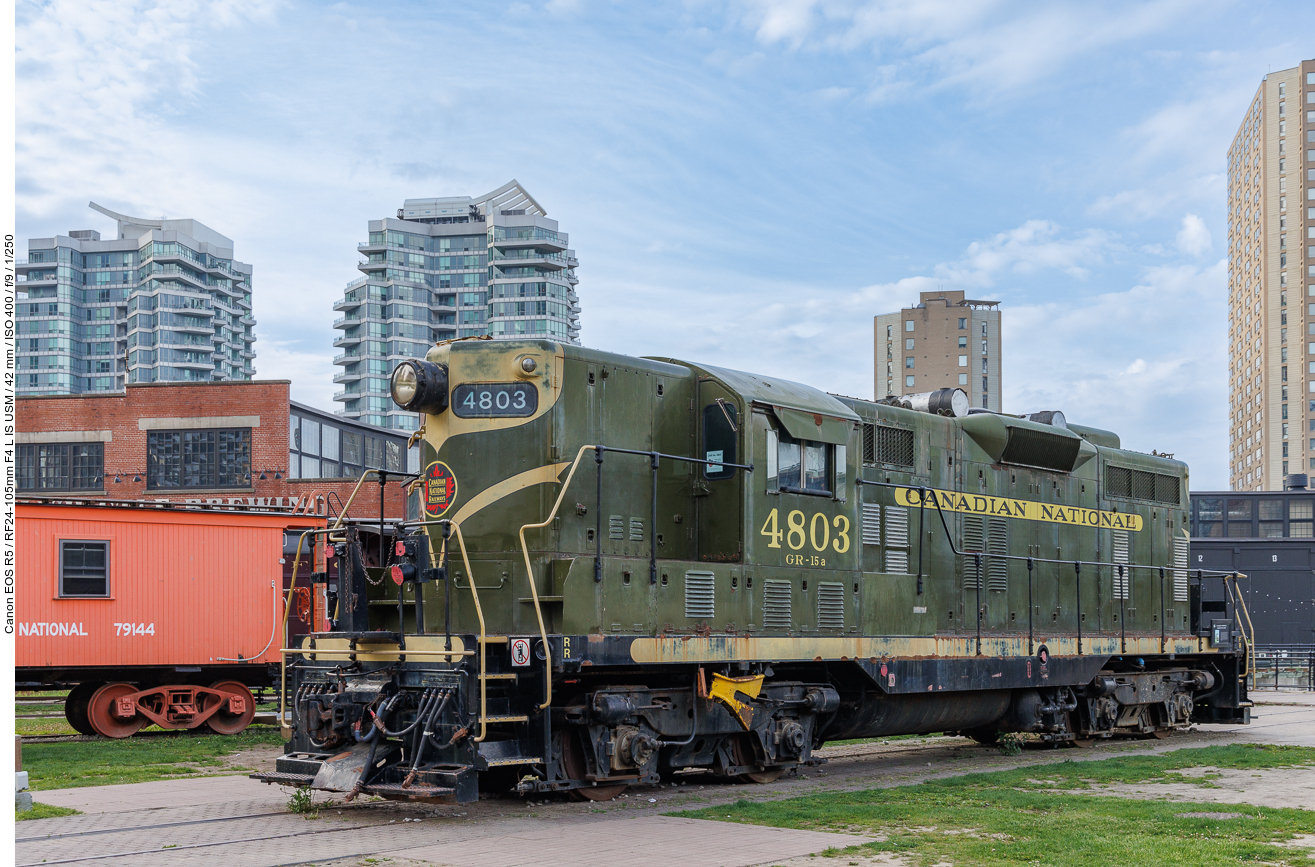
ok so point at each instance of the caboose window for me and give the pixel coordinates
(84, 568)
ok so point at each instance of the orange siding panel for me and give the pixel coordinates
(186, 588)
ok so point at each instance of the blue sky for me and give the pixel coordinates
(745, 183)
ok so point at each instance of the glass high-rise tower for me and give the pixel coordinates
(164, 301)
(446, 268)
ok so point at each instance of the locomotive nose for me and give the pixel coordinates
(420, 386)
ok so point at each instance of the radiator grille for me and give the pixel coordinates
(830, 605)
(776, 604)
(700, 595)
(1127, 483)
(1180, 568)
(616, 527)
(636, 530)
(871, 524)
(1120, 555)
(1036, 448)
(897, 562)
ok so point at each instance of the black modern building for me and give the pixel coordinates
(1270, 537)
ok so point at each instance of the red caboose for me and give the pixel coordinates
(161, 613)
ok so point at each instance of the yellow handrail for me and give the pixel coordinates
(479, 612)
(529, 573)
(1250, 630)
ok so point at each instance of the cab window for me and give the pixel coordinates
(720, 426)
(802, 466)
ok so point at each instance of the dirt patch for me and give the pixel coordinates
(260, 757)
(1268, 787)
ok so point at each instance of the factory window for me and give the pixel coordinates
(963, 379)
(908, 344)
(84, 568)
(908, 324)
(61, 467)
(983, 365)
(908, 381)
(963, 342)
(198, 459)
(908, 362)
(1209, 516)
(963, 361)
(1300, 513)
(963, 323)
(888, 330)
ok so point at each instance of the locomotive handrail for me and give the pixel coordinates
(924, 493)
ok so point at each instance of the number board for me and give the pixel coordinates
(495, 400)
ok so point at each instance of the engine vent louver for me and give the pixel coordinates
(1121, 555)
(616, 527)
(1180, 584)
(830, 605)
(777, 597)
(871, 524)
(636, 530)
(991, 537)
(887, 445)
(1129, 484)
(897, 562)
(897, 539)
(700, 595)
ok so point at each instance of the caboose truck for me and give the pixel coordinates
(627, 567)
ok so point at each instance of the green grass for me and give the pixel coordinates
(1005, 818)
(45, 811)
(71, 764)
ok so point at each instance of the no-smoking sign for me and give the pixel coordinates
(520, 652)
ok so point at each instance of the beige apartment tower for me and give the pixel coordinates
(1271, 284)
(945, 341)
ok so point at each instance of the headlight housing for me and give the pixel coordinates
(420, 386)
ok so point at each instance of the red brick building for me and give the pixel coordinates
(244, 443)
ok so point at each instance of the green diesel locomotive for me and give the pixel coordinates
(627, 567)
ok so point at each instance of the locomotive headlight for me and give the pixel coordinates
(420, 386)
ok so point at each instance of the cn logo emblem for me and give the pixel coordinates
(520, 652)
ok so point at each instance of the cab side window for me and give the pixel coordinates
(802, 466)
(720, 429)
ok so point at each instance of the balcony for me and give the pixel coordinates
(347, 303)
(347, 341)
(347, 377)
(345, 357)
(512, 243)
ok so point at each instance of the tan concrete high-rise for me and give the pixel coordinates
(1271, 284)
(945, 341)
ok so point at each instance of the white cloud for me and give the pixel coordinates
(993, 46)
(1194, 238)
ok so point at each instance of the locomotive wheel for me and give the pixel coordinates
(75, 707)
(1161, 734)
(100, 712)
(573, 761)
(742, 753)
(224, 722)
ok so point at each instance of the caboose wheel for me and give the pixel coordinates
(101, 712)
(573, 761)
(75, 707)
(224, 721)
(742, 752)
